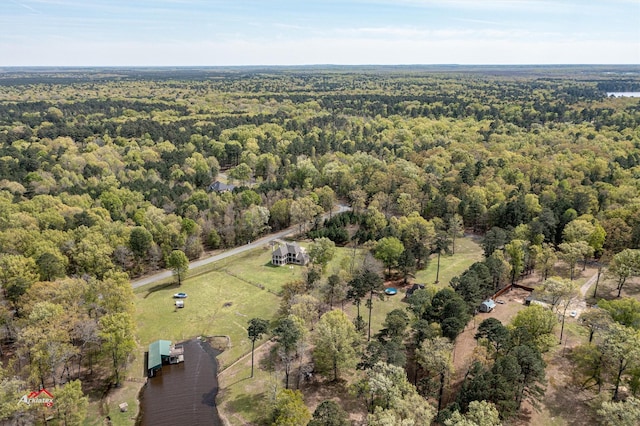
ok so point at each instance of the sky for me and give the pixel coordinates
(310, 32)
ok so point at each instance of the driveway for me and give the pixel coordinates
(231, 252)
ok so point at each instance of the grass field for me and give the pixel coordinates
(218, 303)
(468, 251)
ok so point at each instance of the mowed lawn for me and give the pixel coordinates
(468, 251)
(255, 267)
(220, 302)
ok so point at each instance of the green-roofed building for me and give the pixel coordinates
(162, 352)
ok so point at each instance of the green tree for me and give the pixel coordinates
(280, 214)
(326, 198)
(620, 413)
(252, 223)
(335, 340)
(140, 241)
(480, 413)
(12, 410)
(287, 334)
(303, 211)
(531, 381)
(289, 409)
(407, 265)
(322, 250)
(621, 349)
(51, 266)
(596, 319)
(329, 413)
(570, 253)
(17, 274)
(537, 323)
(455, 228)
(625, 311)
(546, 259)
(395, 324)
(435, 357)
(495, 335)
(493, 240)
(257, 327)
(587, 361)
(416, 234)
(71, 404)
(442, 243)
(45, 340)
(334, 290)
(515, 252)
(623, 266)
(241, 172)
(449, 310)
(117, 332)
(357, 290)
(388, 250)
(373, 284)
(392, 399)
(179, 264)
(499, 269)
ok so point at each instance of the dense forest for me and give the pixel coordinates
(106, 175)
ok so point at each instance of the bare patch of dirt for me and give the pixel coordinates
(466, 344)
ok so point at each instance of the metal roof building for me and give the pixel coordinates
(159, 351)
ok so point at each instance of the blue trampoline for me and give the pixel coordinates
(391, 291)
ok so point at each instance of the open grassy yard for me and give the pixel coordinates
(218, 304)
(254, 267)
(468, 251)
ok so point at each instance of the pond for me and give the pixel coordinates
(183, 393)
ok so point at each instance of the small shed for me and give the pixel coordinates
(414, 288)
(487, 305)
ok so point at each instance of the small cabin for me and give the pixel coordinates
(487, 306)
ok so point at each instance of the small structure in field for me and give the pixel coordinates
(414, 288)
(487, 306)
(289, 253)
(163, 352)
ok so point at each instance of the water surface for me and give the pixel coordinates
(183, 394)
(624, 94)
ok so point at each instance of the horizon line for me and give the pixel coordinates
(330, 65)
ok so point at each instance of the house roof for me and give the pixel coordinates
(221, 187)
(157, 350)
(489, 303)
(288, 248)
